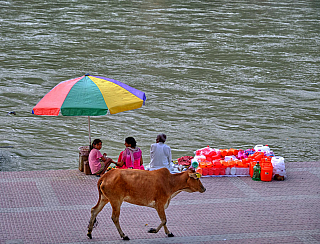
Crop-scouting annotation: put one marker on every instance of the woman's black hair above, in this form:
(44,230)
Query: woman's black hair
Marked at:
(162,137)
(132,141)
(95,142)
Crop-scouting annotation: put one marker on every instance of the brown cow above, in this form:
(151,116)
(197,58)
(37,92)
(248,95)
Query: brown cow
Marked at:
(153,189)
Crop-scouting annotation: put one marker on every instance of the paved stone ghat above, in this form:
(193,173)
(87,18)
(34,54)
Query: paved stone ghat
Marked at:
(54,207)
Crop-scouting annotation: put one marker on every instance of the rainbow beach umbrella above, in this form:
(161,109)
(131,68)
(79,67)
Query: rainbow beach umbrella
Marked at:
(89,96)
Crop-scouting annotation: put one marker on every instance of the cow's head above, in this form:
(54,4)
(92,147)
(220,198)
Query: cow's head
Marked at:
(194,183)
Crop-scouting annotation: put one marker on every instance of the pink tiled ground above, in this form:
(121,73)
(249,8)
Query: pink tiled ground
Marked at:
(54,207)
(27,192)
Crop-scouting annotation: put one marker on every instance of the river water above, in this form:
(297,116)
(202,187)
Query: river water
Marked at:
(219,73)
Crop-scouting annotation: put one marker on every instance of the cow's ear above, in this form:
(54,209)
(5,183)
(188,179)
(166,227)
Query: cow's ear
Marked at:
(194,175)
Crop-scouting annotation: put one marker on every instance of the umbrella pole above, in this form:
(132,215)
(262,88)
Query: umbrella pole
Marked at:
(89,131)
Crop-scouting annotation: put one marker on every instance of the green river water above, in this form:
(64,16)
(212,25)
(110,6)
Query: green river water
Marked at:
(219,73)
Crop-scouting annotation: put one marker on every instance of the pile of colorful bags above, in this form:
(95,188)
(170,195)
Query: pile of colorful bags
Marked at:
(236,162)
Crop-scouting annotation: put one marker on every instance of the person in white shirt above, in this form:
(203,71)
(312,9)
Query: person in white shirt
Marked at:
(160,154)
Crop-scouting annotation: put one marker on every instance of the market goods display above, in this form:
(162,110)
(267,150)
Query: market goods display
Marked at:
(185,160)
(259,163)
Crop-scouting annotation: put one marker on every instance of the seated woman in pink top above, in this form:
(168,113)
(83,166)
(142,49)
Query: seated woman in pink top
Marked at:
(98,163)
(131,157)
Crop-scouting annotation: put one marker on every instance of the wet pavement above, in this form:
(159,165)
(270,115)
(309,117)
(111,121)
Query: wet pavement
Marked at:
(54,207)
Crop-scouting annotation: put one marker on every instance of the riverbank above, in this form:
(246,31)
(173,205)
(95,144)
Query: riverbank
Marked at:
(53,206)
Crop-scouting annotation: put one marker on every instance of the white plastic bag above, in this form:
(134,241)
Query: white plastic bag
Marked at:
(279,168)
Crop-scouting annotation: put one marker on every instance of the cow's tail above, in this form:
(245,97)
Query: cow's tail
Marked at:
(99,190)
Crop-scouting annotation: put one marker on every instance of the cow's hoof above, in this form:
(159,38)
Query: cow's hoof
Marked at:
(89,235)
(170,235)
(125,238)
(152,230)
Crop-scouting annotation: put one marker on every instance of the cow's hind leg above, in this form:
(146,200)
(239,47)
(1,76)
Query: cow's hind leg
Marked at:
(115,218)
(163,218)
(94,212)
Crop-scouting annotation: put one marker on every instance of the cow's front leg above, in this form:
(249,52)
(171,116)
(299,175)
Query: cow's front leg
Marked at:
(94,213)
(115,219)
(163,218)
(168,233)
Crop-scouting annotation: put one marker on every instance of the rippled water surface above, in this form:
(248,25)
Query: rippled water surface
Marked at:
(219,73)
